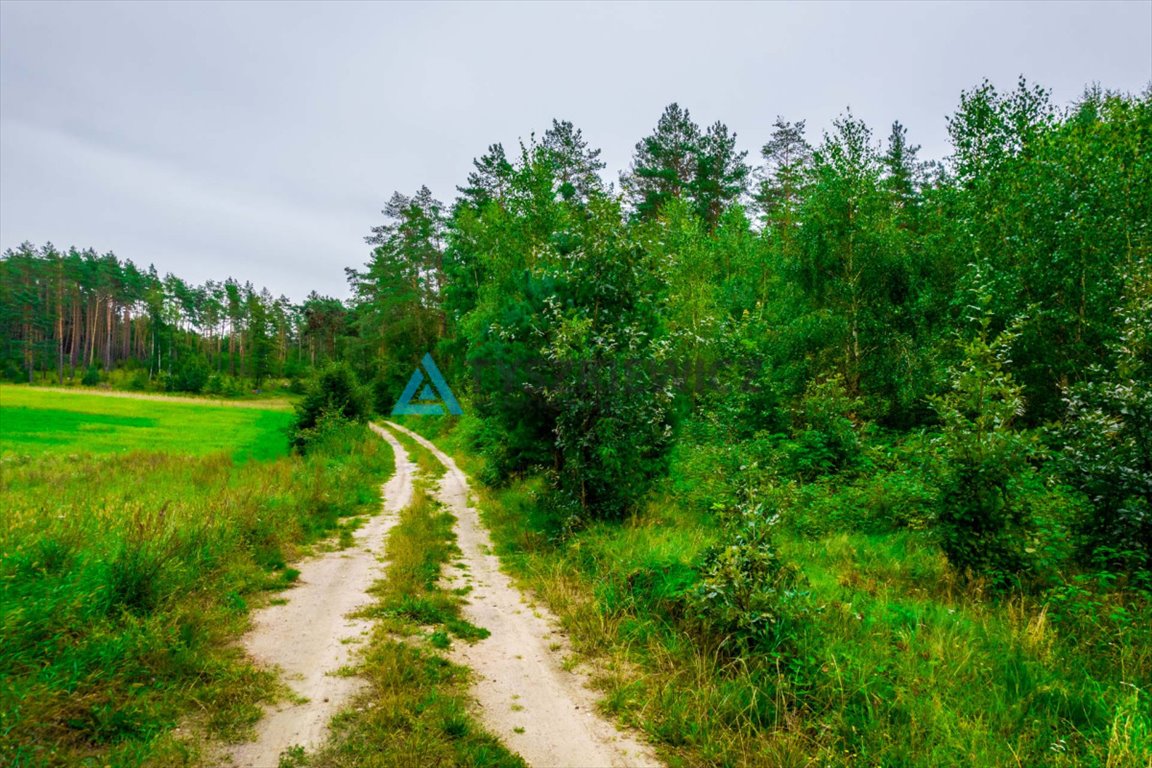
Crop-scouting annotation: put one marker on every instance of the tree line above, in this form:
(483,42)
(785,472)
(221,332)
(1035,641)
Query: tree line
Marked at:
(76,314)
(998,298)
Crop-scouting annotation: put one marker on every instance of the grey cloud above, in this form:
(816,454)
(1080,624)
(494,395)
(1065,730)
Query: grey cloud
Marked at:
(260,140)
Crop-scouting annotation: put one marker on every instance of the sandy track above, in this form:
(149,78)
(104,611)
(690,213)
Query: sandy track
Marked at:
(526,698)
(311,637)
(266,404)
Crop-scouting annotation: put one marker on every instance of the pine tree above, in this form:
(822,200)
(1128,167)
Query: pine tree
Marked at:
(259,341)
(489,180)
(784,177)
(720,176)
(576,167)
(664,164)
(398,312)
(902,171)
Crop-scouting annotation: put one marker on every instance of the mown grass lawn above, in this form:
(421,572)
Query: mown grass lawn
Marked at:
(34,421)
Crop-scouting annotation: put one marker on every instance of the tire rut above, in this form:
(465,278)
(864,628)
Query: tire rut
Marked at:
(311,636)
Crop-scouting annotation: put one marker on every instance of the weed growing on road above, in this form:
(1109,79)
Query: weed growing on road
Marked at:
(415,712)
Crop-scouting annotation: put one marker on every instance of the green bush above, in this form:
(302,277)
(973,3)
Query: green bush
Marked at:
(325,435)
(826,440)
(191,376)
(747,597)
(334,395)
(138,381)
(223,385)
(984,477)
(91,376)
(12,371)
(612,431)
(1108,441)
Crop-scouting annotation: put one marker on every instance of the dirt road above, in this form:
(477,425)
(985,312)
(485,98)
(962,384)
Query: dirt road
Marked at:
(311,637)
(546,714)
(524,696)
(264,404)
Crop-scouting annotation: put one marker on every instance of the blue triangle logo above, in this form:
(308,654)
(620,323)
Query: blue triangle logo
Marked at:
(435,388)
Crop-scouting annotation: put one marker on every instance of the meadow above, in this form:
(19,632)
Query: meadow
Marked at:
(879,653)
(38,420)
(137,536)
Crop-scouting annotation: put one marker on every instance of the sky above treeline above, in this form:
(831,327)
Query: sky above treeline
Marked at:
(260,140)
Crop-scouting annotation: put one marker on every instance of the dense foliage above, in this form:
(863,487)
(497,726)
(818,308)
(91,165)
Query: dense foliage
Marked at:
(333,399)
(831,300)
(801,305)
(842,343)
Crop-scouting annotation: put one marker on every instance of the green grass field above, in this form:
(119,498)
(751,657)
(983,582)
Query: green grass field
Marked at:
(136,535)
(57,421)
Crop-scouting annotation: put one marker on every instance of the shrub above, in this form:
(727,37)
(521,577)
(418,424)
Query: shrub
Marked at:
(223,385)
(1108,441)
(746,595)
(384,388)
(191,376)
(826,440)
(612,405)
(334,394)
(139,381)
(612,432)
(331,430)
(12,371)
(91,376)
(162,382)
(984,477)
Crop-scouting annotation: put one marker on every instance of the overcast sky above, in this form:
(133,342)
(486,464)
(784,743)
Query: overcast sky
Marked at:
(261,140)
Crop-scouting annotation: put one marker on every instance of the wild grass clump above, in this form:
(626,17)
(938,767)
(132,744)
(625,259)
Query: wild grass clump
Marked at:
(126,579)
(888,656)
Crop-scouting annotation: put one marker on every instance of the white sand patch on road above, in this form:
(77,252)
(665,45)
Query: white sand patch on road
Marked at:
(311,636)
(526,698)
